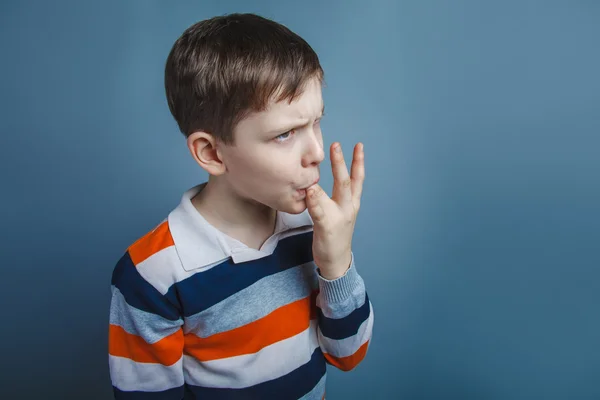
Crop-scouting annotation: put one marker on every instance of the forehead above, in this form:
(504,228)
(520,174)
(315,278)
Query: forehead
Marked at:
(279,115)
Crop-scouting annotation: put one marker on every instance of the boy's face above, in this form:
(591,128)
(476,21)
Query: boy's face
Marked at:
(277,152)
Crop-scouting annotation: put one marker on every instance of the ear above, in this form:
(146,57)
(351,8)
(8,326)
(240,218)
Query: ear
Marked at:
(204,149)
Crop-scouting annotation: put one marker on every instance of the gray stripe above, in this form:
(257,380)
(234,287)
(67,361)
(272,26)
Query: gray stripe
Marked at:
(150,327)
(255,301)
(317,392)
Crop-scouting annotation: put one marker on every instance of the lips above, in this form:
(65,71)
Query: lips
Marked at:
(314,183)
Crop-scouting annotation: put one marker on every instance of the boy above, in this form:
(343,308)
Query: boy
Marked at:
(248,288)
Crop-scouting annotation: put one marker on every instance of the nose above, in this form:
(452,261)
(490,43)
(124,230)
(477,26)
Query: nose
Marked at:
(314,153)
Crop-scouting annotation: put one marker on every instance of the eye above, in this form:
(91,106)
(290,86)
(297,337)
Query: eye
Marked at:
(284,136)
(318,120)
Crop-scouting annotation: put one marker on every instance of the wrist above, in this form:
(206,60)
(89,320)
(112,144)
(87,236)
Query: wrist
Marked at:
(336,270)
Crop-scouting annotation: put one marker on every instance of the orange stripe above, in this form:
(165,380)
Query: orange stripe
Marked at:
(281,324)
(151,243)
(348,363)
(166,351)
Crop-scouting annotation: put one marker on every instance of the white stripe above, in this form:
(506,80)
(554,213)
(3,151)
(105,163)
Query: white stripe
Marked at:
(128,375)
(163,269)
(271,362)
(348,346)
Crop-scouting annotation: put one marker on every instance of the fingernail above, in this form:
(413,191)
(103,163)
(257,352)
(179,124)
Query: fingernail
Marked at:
(338,148)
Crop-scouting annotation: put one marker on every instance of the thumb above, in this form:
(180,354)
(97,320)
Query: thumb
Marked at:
(314,197)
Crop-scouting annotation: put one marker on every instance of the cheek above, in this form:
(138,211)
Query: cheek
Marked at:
(260,171)
(239,163)
(270,170)
(276,166)
(279,172)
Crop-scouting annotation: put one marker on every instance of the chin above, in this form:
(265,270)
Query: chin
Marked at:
(293,207)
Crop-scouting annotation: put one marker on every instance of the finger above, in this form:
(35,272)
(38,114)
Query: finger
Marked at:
(315,196)
(342,190)
(357,173)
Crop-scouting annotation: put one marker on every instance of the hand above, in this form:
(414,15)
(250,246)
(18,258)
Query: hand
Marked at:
(334,218)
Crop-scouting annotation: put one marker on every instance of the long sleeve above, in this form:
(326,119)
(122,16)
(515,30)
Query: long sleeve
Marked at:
(145,339)
(345,319)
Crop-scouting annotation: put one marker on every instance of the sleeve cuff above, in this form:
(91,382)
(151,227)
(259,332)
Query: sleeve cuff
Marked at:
(342,288)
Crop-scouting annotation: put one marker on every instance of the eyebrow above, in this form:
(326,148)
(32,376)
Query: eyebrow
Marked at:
(286,129)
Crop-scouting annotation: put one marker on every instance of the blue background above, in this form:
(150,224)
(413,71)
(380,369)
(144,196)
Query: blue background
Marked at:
(479,232)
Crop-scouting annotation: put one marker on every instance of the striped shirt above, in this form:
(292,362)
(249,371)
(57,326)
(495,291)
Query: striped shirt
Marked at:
(196,314)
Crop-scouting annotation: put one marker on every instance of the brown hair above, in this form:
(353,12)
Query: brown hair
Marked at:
(223,68)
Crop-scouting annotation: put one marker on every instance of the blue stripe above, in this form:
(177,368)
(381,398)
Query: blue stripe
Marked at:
(171,394)
(139,293)
(291,386)
(343,328)
(205,289)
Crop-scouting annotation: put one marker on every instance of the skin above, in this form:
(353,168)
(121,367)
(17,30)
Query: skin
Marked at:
(273,166)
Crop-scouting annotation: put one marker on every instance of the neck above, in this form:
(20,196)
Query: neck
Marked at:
(245,220)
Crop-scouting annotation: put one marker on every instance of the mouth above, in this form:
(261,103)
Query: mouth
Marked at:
(314,183)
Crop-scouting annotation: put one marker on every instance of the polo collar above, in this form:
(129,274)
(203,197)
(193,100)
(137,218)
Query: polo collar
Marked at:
(200,245)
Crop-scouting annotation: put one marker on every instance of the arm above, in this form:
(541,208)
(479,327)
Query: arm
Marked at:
(145,342)
(345,317)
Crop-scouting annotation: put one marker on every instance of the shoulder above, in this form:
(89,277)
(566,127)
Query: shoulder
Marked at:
(152,259)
